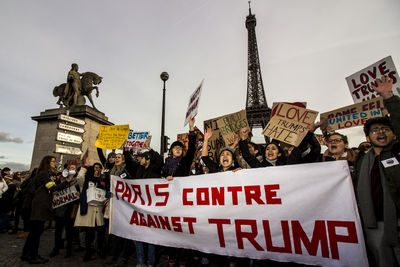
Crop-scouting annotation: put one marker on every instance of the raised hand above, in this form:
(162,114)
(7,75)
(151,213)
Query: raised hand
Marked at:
(147,143)
(191,124)
(384,87)
(208,133)
(244,133)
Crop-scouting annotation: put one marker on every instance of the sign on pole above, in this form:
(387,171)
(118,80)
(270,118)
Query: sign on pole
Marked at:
(193,104)
(68,150)
(70,128)
(71,119)
(360,82)
(112,137)
(354,115)
(289,123)
(69,138)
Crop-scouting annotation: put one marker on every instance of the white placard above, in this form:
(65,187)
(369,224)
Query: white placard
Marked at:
(304,213)
(68,150)
(193,104)
(70,128)
(71,119)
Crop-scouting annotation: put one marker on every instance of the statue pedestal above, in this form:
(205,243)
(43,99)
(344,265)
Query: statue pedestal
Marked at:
(47,128)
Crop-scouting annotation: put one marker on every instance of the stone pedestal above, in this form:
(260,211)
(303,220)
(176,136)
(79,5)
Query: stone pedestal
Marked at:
(47,128)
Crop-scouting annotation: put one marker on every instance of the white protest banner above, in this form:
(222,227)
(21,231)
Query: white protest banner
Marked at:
(65,196)
(193,104)
(297,213)
(354,115)
(360,82)
(136,140)
(289,123)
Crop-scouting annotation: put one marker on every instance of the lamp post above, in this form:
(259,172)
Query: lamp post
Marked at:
(164,77)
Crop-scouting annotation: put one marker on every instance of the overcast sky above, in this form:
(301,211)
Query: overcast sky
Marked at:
(306,47)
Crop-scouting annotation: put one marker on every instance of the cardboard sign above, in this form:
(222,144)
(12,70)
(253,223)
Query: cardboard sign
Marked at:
(64,196)
(230,125)
(289,124)
(354,115)
(216,141)
(360,82)
(184,138)
(136,140)
(193,104)
(112,137)
(321,139)
(275,104)
(252,213)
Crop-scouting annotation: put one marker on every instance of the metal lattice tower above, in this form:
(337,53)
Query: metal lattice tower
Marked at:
(258,112)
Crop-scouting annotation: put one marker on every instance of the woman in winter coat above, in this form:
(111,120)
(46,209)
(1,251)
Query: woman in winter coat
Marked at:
(226,157)
(44,187)
(178,164)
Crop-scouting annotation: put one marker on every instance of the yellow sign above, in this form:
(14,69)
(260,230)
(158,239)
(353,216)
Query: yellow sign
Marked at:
(112,137)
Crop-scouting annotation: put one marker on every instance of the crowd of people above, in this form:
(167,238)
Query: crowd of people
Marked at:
(374,167)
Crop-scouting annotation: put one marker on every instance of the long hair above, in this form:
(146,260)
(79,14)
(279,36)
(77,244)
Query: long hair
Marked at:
(45,164)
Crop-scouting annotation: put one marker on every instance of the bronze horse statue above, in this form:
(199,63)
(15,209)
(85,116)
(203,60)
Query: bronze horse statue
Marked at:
(89,81)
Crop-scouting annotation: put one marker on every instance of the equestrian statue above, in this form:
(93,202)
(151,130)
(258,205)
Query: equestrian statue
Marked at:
(77,86)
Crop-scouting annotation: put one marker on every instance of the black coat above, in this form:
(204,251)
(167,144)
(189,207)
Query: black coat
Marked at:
(41,204)
(153,171)
(185,164)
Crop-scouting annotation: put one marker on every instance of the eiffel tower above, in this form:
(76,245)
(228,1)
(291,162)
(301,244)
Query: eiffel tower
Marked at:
(257,110)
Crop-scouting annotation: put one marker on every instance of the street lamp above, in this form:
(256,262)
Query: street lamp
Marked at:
(164,77)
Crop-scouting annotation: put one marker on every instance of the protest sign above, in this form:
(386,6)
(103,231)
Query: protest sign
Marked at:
(354,115)
(112,137)
(136,140)
(230,125)
(289,123)
(299,104)
(252,213)
(321,139)
(193,104)
(360,82)
(64,196)
(216,141)
(184,138)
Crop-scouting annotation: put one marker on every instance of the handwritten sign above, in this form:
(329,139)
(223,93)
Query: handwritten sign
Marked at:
(289,124)
(229,125)
(354,115)
(193,104)
(65,196)
(216,141)
(136,139)
(321,139)
(360,82)
(112,137)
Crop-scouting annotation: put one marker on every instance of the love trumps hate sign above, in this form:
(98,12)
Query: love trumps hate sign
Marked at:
(289,123)
(252,213)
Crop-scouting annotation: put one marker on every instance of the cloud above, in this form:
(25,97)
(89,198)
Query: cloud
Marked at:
(15,166)
(4,137)
(2,157)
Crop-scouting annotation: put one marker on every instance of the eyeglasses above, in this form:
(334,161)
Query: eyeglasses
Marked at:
(382,129)
(178,148)
(53,160)
(335,141)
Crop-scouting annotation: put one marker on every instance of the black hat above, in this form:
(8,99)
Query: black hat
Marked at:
(145,154)
(176,143)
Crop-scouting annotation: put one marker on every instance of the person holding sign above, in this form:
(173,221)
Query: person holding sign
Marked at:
(226,157)
(378,181)
(273,155)
(63,217)
(44,187)
(91,216)
(178,164)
